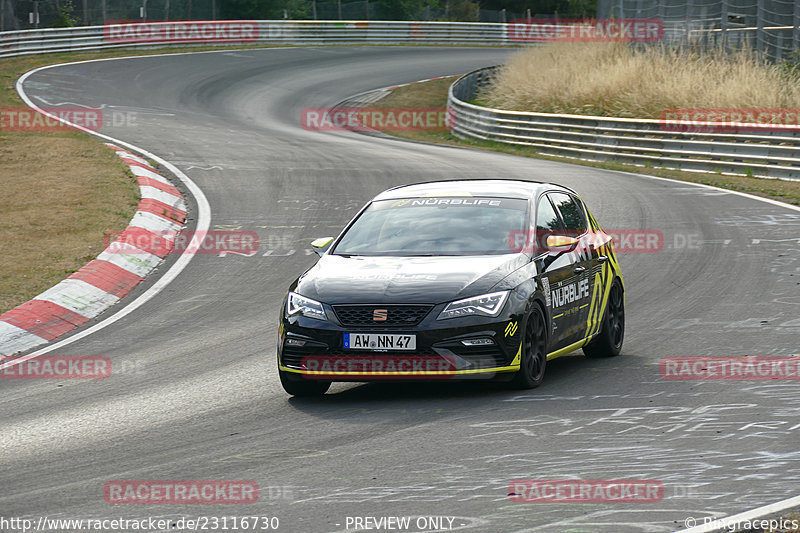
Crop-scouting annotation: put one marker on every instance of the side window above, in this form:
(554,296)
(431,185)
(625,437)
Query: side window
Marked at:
(547,221)
(571,212)
(546,217)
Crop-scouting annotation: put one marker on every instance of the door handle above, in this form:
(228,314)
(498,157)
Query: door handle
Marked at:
(579,269)
(602,259)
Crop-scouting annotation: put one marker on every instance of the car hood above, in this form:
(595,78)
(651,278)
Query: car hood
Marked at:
(338,279)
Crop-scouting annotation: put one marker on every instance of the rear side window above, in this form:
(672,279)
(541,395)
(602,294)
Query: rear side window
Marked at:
(571,212)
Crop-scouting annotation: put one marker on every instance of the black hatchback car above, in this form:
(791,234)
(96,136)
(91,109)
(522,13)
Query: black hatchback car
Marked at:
(454,280)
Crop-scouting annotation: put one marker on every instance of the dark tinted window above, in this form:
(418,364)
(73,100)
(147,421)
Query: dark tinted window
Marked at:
(435,226)
(547,223)
(546,218)
(571,212)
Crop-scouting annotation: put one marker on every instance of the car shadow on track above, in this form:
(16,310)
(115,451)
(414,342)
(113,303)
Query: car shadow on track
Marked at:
(565,376)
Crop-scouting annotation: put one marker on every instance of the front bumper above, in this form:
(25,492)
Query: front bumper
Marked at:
(314,349)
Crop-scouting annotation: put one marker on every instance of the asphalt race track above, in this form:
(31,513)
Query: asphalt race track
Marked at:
(197,396)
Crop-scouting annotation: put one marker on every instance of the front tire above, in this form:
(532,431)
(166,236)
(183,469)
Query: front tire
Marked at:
(609,342)
(298,386)
(533,357)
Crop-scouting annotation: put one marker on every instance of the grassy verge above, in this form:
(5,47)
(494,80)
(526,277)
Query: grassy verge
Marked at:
(615,79)
(51,221)
(434,94)
(61,191)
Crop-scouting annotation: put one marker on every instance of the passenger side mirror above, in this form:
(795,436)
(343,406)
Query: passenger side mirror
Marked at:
(321,245)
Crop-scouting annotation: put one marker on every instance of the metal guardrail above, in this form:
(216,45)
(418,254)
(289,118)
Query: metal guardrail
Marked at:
(767,154)
(300,32)
(772,154)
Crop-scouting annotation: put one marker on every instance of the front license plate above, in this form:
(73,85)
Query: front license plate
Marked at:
(379,341)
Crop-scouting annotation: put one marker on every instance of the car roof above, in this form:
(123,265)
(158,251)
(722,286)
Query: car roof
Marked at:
(492,188)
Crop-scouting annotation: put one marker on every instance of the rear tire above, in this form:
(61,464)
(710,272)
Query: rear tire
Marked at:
(303,387)
(533,357)
(609,342)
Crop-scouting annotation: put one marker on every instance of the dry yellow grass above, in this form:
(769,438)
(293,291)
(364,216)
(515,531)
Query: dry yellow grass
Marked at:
(61,193)
(432,94)
(613,79)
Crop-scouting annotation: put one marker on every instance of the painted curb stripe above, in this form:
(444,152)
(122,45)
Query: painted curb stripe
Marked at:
(151,222)
(173,214)
(44,319)
(108,277)
(16,339)
(102,282)
(144,240)
(150,182)
(161,196)
(144,170)
(79,297)
(134,163)
(124,154)
(130,258)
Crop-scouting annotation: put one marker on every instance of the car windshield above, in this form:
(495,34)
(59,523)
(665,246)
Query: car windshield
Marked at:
(435,226)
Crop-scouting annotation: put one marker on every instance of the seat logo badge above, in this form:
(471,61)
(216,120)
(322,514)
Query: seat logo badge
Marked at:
(380,315)
(511,328)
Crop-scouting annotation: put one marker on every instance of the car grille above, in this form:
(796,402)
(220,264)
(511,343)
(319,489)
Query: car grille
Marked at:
(396,315)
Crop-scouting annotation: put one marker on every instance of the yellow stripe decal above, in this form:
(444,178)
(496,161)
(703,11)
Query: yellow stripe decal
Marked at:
(509,368)
(563,351)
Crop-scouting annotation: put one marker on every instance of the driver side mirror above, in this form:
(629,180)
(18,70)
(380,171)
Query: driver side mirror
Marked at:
(561,243)
(321,245)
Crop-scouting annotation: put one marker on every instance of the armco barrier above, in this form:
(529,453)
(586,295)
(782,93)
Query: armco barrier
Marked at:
(297,32)
(770,154)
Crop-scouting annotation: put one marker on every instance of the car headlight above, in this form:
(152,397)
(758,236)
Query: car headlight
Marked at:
(300,305)
(484,305)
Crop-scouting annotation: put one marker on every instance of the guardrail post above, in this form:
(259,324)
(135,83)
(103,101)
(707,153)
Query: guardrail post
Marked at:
(723,24)
(796,27)
(2,15)
(760,37)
